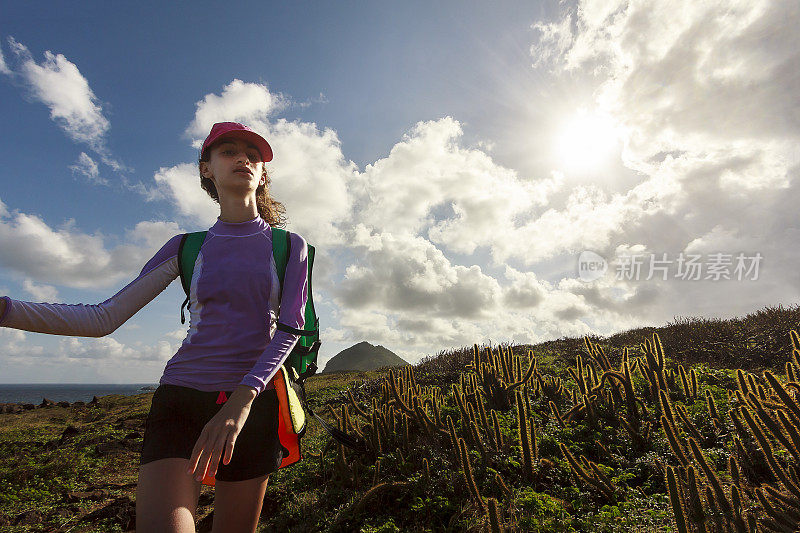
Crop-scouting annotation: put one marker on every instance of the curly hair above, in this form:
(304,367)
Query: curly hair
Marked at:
(272,211)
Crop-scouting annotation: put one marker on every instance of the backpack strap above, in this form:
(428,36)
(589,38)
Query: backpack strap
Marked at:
(281,248)
(187,256)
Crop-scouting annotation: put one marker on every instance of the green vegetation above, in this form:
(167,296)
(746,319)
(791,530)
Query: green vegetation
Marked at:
(617,434)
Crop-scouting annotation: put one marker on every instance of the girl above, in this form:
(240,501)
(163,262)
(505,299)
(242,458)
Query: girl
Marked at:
(215,411)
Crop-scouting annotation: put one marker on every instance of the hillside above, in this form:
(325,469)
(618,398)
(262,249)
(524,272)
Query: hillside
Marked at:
(363,357)
(645,430)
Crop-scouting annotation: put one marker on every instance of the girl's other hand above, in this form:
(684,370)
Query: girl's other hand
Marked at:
(219,434)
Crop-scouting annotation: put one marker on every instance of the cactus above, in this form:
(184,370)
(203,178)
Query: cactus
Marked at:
(494,516)
(624,378)
(497,376)
(712,406)
(688,424)
(593,476)
(498,435)
(676,498)
(525,438)
(687,391)
(557,414)
(674,441)
(469,477)
(501,484)
(713,479)
(695,512)
(766,450)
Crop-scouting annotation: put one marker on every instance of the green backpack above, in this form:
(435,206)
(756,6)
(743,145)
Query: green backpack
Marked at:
(303,358)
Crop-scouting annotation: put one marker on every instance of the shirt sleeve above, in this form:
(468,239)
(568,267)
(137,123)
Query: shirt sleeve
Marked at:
(292,313)
(101,319)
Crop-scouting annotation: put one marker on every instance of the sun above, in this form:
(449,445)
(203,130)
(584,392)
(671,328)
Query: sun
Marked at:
(586,142)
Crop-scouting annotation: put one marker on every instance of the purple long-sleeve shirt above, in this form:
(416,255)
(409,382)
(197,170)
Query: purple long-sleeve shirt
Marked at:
(233,308)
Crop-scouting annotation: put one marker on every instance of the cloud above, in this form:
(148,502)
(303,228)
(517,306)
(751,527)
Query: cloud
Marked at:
(180,184)
(311,177)
(409,274)
(3,67)
(524,290)
(65,359)
(707,75)
(42,293)
(460,196)
(16,345)
(113,352)
(85,165)
(69,257)
(239,102)
(57,83)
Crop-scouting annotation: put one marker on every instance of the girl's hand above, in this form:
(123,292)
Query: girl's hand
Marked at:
(220,433)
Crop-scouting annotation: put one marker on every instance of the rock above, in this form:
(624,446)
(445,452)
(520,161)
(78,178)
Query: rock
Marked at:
(78,404)
(28,406)
(47,403)
(63,404)
(28,518)
(133,435)
(71,431)
(95,400)
(10,408)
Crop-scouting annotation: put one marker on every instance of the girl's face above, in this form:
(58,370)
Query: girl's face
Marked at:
(234,166)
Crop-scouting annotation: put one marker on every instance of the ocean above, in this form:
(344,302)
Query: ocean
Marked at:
(70,392)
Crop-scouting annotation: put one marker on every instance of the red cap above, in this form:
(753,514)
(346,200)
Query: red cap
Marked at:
(240,131)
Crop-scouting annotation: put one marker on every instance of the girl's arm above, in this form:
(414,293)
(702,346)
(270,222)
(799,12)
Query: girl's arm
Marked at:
(292,313)
(101,319)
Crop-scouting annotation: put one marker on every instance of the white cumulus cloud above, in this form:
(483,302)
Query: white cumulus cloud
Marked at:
(57,83)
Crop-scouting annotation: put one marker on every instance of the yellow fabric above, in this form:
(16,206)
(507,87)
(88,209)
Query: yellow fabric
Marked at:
(297,415)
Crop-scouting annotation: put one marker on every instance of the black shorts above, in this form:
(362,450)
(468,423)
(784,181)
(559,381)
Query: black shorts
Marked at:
(178,415)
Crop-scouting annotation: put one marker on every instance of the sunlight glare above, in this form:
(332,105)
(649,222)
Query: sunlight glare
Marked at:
(586,142)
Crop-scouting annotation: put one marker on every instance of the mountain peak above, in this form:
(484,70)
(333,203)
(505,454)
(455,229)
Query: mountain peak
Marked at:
(362,357)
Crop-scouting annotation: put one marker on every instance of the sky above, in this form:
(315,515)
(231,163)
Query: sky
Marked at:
(468,172)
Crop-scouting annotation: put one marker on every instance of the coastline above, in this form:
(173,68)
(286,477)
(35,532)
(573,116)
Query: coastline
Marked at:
(37,393)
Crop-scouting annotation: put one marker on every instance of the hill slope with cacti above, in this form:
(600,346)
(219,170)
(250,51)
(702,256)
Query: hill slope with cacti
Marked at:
(645,430)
